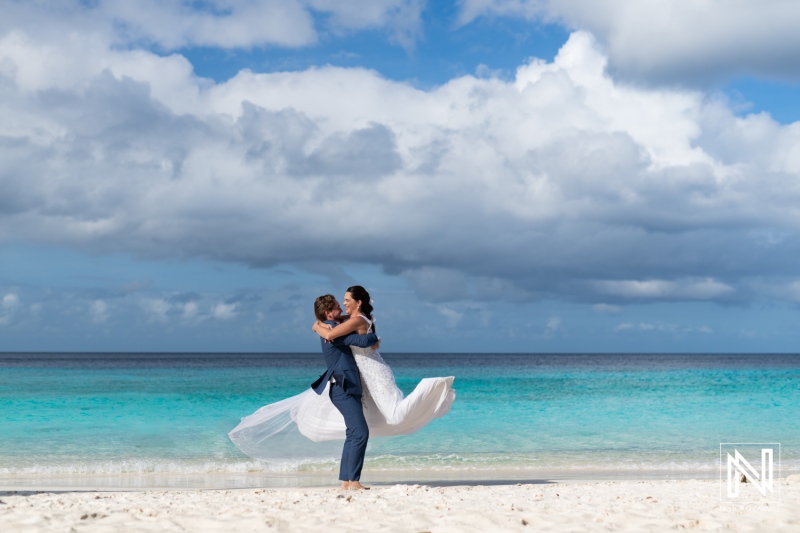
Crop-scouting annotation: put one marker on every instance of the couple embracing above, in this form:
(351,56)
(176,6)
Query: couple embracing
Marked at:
(355,398)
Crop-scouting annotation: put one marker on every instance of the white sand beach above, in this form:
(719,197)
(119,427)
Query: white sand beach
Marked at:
(573,506)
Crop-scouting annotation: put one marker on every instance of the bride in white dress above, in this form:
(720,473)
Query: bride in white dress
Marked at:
(286,429)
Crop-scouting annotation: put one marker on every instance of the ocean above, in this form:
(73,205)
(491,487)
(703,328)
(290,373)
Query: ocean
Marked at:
(155,419)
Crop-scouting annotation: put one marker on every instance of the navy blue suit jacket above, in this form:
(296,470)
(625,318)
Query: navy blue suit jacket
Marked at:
(341,363)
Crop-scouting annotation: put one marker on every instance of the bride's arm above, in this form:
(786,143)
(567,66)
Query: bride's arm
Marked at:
(349,326)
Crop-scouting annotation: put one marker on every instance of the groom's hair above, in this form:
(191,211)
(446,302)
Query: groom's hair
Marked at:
(322,305)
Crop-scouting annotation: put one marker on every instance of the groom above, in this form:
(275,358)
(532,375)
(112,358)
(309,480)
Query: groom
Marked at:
(345,391)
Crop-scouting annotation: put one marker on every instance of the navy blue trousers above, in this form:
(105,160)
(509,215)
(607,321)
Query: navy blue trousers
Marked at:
(355,445)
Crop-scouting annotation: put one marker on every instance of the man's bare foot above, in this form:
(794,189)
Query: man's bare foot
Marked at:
(355,485)
(345,485)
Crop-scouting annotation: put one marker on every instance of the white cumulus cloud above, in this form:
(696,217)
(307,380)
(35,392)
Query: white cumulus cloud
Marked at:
(8,306)
(190,310)
(173,24)
(661,327)
(156,309)
(563,182)
(452,316)
(707,289)
(99,311)
(673,40)
(553,326)
(223,311)
(10,301)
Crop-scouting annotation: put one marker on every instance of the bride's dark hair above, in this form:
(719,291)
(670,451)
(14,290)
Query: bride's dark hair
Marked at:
(360,294)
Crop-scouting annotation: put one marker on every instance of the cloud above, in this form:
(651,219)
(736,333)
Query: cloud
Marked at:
(223,311)
(8,307)
(672,41)
(561,183)
(53,318)
(402,18)
(190,310)
(553,327)
(662,328)
(10,301)
(366,153)
(156,309)
(99,311)
(184,297)
(707,289)
(175,24)
(435,284)
(438,284)
(452,316)
(606,309)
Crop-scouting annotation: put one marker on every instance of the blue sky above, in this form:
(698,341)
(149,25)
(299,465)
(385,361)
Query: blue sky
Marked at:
(502,175)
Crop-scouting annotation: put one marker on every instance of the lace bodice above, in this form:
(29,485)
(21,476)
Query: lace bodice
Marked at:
(369,351)
(377,379)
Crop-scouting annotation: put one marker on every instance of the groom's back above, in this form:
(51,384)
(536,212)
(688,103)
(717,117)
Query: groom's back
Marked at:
(337,355)
(341,365)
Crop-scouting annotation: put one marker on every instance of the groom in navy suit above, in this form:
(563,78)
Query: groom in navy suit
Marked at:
(345,391)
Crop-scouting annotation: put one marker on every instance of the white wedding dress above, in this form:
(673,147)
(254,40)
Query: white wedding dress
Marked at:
(297,428)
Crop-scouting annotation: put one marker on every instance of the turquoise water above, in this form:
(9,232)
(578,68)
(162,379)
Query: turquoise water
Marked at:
(169,413)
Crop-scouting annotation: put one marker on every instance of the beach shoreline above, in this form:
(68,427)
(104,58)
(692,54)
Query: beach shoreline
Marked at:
(553,506)
(326,479)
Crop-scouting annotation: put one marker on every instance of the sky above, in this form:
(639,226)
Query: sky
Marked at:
(501,175)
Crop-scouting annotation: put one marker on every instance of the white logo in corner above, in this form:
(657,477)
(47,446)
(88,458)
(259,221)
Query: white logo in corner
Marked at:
(741,472)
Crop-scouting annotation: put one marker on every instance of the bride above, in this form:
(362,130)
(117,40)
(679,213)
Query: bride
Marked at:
(289,428)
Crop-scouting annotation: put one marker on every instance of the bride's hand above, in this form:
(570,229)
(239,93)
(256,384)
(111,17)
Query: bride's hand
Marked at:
(320,324)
